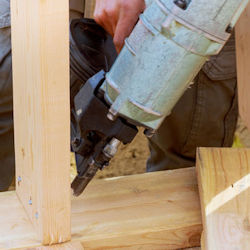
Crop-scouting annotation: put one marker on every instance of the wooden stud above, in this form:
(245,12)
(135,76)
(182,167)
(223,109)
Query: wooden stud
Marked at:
(40,49)
(224,186)
(243,62)
(158,210)
(89,8)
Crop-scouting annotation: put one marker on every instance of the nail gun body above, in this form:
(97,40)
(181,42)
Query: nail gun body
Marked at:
(97,137)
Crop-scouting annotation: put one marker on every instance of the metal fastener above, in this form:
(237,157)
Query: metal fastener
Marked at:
(149,132)
(19,179)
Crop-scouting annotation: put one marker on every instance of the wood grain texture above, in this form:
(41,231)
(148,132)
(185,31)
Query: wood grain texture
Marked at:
(89,8)
(243,62)
(193,248)
(149,211)
(40,50)
(224,186)
(64,246)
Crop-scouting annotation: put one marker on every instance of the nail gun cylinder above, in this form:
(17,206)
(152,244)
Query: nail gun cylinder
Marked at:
(163,54)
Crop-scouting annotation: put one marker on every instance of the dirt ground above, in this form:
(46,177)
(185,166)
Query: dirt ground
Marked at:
(130,159)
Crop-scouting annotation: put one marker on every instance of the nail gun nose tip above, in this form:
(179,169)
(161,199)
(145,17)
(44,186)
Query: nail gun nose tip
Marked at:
(74,193)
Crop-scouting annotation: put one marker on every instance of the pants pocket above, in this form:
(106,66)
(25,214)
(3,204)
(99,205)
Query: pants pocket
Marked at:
(222,66)
(215,114)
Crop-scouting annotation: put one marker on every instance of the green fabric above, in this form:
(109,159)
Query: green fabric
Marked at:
(7,159)
(205,116)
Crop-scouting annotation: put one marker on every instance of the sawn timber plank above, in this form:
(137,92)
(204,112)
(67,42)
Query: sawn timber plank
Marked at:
(40,56)
(158,210)
(224,186)
(243,62)
(89,8)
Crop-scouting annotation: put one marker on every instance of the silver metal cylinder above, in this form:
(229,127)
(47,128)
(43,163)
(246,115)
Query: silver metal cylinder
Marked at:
(163,54)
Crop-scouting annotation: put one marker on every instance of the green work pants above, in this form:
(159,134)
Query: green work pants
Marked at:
(7,159)
(205,116)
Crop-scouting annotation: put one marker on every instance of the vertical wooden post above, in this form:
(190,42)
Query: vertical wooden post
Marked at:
(224,186)
(40,43)
(89,8)
(243,62)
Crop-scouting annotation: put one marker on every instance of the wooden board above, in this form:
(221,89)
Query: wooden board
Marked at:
(40,50)
(243,64)
(149,211)
(63,246)
(89,8)
(224,186)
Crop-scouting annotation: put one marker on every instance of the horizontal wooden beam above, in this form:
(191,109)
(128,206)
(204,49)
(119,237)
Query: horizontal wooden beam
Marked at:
(158,210)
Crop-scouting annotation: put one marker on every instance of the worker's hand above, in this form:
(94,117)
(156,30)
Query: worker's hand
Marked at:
(118,17)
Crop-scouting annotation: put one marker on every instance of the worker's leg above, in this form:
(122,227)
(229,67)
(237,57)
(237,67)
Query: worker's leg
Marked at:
(205,116)
(7,159)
